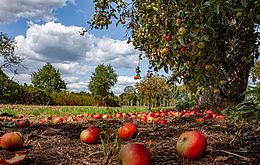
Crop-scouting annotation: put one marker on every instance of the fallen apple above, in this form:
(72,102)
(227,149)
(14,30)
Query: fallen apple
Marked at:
(12,140)
(90,135)
(127,131)
(134,154)
(191,145)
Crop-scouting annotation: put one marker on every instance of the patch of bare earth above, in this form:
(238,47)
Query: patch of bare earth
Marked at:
(228,143)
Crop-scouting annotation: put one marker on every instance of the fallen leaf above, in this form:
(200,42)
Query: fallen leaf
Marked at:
(16,159)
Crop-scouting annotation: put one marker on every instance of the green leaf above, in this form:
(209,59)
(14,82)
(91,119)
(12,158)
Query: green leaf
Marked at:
(204,38)
(244,3)
(181,40)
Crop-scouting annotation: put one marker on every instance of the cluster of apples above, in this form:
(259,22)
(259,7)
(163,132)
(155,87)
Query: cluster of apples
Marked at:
(18,121)
(191,144)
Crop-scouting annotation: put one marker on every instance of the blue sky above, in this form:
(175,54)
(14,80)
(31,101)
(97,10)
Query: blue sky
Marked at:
(48,31)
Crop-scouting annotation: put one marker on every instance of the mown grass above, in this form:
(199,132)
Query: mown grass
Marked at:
(63,110)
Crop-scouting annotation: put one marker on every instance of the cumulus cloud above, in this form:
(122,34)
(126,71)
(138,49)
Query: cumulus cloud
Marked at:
(11,11)
(73,55)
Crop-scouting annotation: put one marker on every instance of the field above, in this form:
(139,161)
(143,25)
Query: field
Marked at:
(228,142)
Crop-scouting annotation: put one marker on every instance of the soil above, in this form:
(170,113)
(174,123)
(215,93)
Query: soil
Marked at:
(228,142)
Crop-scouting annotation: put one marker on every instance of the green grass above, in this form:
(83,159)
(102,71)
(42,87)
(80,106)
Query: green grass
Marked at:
(63,110)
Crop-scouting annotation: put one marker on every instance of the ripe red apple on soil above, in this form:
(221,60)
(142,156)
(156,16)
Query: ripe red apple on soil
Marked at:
(127,131)
(23,123)
(208,116)
(98,116)
(191,145)
(12,140)
(57,120)
(134,154)
(90,135)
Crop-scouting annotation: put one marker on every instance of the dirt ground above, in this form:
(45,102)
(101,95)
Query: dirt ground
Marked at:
(228,143)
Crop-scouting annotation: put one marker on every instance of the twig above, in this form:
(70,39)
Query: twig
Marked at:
(245,158)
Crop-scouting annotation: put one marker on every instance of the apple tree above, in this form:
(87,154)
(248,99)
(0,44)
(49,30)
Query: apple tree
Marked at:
(101,82)
(7,51)
(205,43)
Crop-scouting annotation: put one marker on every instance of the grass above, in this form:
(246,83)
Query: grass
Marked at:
(63,110)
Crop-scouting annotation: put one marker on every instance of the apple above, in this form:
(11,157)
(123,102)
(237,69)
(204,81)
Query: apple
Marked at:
(134,154)
(168,38)
(143,118)
(179,20)
(223,82)
(209,67)
(19,116)
(98,116)
(12,140)
(57,120)
(165,50)
(127,131)
(23,123)
(182,31)
(220,117)
(191,145)
(90,135)
(119,115)
(150,119)
(184,49)
(208,116)
(217,91)
(163,121)
(201,45)
(200,120)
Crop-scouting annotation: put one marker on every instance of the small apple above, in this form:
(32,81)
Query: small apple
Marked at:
(57,120)
(217,91)
(184,49)
(163,121)
(200,120)
(143,118)
(208,67)
(150,119)
(119,115)
(168,38)
(179,20)
(90,135)
(165,50)
(182,31)
(223,82)
(134,154)
(208,116)
(201,45)
(98,116)
(191,145)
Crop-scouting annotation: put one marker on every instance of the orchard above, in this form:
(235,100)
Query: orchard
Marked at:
(205,43)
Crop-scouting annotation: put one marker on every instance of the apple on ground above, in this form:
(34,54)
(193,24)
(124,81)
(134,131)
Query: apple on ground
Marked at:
(90,135)
(134,154)
(163,121)
(127,131)
(12,140)
(98,116)
(191,145)
(57,120)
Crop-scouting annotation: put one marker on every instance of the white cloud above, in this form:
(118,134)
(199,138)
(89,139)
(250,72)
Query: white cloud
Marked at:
(12,10)
(74,56)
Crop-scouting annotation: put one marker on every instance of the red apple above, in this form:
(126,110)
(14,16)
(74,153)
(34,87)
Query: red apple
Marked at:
(57,120)
(127,131)
(119,115)
(163,121)
(208,116)
(134,154)
(143,118)
(90,135)
(200,120)
(168,38)
(191,145)
(23,123)
(98,116)
(184,49)
(12,140)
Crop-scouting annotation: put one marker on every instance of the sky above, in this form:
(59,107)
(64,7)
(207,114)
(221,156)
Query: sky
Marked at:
(48,31)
